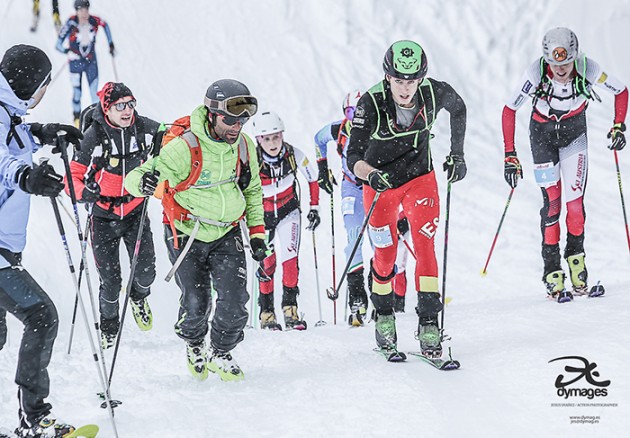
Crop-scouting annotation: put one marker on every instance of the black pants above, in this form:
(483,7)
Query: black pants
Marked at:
(106,235)
(219,264)
(21,296)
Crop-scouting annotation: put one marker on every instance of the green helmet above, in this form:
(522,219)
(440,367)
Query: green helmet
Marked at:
(405,60)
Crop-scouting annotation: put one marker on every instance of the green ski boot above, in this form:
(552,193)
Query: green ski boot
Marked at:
(197,359)
(579,274)
(223,364)
(142,314)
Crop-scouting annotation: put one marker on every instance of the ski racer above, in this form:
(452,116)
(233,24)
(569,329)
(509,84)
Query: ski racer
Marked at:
(561,84)
(389,150)
(279,162)
(80,31)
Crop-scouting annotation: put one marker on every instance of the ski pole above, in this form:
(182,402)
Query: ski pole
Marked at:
(62,145)
(76,298)
(57,73)
(484,271)
(623,203)
(333,294)
(134,262)
(319,300)
(101,373)
(114,67)
(447,214)
(334,265)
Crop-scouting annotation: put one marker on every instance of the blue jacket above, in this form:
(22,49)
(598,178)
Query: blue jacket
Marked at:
(14,203)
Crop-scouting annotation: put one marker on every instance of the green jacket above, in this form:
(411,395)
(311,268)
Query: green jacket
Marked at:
(223,203)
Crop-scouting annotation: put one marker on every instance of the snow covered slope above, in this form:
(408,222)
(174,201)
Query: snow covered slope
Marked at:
(300,58)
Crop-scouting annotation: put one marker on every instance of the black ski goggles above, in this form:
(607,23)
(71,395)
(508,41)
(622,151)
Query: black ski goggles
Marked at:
(235,107)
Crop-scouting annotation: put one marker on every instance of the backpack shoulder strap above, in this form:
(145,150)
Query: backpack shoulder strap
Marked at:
(291,157)
(15,120)
(196,161)
(243,156)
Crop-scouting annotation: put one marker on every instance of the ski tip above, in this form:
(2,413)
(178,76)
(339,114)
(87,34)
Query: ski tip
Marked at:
(87,431)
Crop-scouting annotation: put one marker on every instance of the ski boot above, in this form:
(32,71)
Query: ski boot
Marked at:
(357,314)
(385,331)
(142,314)
(197,357)
(268,321)
(45,427)
(399,303)
(554,281)
(223,364)
(291,320)
(108,340)
(430,338)
(579,274)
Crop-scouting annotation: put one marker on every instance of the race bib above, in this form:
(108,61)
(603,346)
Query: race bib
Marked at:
(347,206)
(381,236)
(546,174)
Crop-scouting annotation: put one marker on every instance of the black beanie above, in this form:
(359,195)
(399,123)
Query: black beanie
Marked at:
(25,68)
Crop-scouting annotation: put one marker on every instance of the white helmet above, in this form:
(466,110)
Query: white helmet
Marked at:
(351,99)
(267,123)
(560,46)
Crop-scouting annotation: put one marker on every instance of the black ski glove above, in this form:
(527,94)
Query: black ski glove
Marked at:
(149,182)
(325,178)
(112,49)
(91,192)
(40,180)
(403,226)
(455,168)
(512,169)
(617,136)
(378,180)
(313,219)
(259,248)
(47,134)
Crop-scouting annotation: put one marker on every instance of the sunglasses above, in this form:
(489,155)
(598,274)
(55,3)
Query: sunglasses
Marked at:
(236,106)
(120,106)
(231,121)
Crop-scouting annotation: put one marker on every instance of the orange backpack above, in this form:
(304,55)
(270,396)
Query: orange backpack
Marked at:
(172,210)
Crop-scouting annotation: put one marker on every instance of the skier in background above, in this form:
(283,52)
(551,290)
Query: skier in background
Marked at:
(80,31)
(561,86)
(352,210)
(24,78)
(351,201)
(56,17)
(279,163)
(117,141)
(389,149)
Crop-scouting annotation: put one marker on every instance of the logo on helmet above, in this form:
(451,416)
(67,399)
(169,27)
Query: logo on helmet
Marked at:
(559,54)
(407,52)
